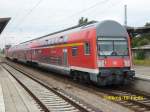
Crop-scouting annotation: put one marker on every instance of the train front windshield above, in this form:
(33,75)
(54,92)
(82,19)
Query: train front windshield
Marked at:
(112,46)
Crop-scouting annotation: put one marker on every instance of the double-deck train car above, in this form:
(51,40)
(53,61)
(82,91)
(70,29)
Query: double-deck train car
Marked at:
(98,52)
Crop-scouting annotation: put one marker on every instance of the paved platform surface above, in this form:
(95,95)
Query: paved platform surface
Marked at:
(13,98)
(142,72)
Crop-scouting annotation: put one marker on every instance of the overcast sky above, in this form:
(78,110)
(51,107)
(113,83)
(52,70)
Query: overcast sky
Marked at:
(33,18)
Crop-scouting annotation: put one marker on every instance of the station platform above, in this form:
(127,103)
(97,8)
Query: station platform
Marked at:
(13,98)
(142,72)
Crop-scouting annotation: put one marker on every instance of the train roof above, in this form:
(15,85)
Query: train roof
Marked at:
(67,29)
(110,28)
(104,28)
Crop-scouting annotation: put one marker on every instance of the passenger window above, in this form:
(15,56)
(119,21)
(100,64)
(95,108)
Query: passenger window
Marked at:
(74,51)
(87,48)
(34,52)
(39,51)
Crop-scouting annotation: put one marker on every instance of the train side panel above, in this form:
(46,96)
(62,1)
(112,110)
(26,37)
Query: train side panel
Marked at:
(84,53)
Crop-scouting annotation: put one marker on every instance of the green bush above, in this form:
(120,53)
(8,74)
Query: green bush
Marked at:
(142,42)
(140,55)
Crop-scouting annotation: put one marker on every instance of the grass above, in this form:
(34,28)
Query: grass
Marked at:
(145,62)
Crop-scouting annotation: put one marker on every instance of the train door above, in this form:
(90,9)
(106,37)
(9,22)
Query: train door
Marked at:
(65,57)
(29,55)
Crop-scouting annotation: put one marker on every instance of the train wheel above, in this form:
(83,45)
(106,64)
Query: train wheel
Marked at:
(86,78)
(75,75)
(81,77)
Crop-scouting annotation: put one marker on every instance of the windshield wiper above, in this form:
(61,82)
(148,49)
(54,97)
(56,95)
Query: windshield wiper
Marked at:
(114,53)
(103,54)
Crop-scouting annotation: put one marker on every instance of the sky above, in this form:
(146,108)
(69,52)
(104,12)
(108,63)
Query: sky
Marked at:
(34,18)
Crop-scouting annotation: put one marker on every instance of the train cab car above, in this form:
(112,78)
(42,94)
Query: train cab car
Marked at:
(98,52)
(114,53)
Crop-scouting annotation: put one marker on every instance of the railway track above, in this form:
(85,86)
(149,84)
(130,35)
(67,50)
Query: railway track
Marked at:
(123,96)
(49,99)
(138,102)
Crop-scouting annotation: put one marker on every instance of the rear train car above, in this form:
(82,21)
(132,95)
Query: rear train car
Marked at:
(98,52)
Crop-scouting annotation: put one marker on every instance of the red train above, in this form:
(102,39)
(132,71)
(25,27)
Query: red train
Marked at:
(98,52)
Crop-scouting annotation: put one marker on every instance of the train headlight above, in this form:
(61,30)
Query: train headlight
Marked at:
(101,63)
(126,63)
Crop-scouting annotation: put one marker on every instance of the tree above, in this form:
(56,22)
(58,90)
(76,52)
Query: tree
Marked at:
(143,39)
(82,21)
(147,24)
(140,55)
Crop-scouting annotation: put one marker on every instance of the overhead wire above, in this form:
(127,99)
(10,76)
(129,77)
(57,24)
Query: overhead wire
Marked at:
(86,9)
(22,20)
(83,11)
(73,15)
(30,11)
(77,13)
(111,6)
